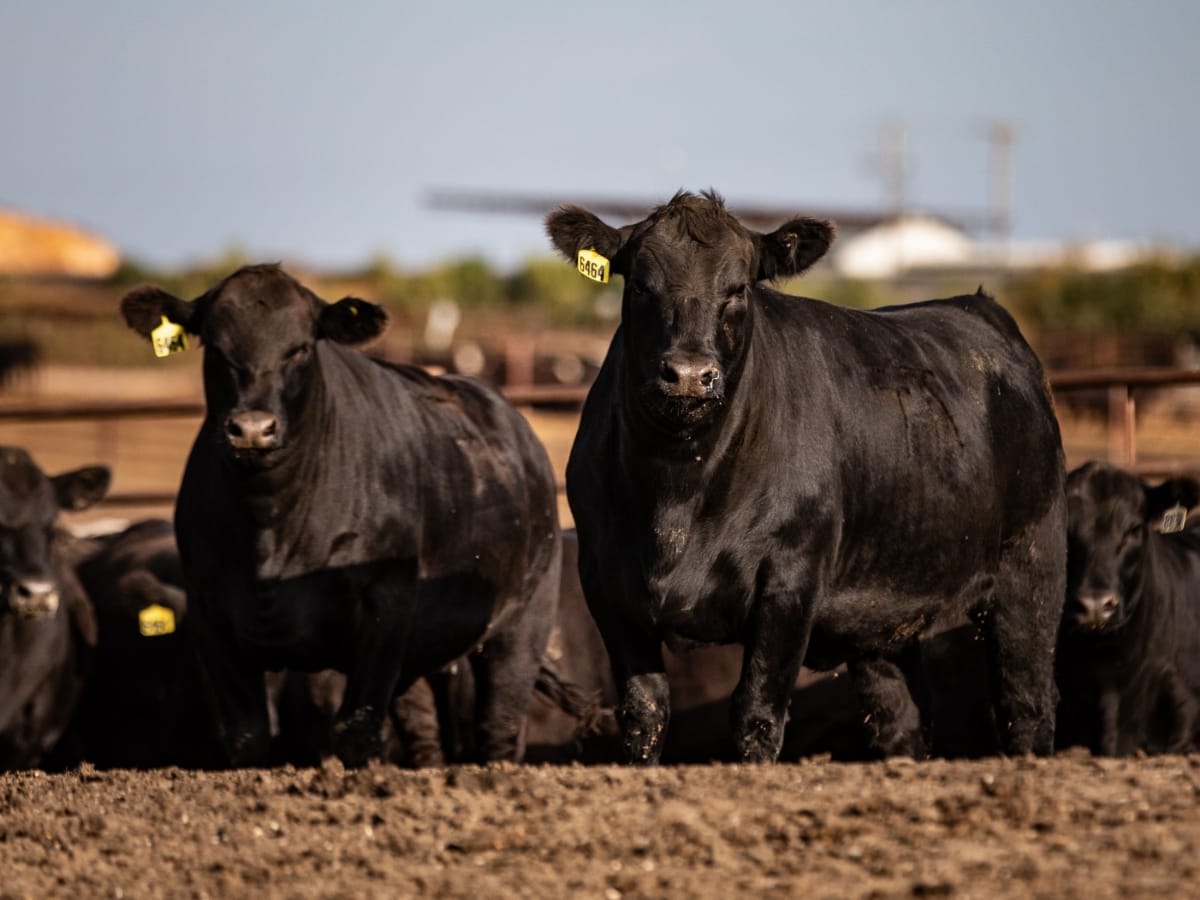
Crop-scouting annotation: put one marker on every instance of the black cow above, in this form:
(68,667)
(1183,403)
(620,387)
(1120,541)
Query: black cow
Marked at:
(816,483)
(1128,662)
(47,630)
(339,512)
(144,703)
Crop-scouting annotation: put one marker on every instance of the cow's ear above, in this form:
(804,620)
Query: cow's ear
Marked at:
(80,488)
(145,306)
(351,321)
(572,228)
(793,247)
(1173,492)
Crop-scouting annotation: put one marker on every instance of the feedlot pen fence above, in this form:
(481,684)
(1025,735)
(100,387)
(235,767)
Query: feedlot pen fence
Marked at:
(101,441)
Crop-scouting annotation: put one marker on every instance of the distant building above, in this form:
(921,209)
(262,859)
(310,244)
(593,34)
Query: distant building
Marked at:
(922,243)
(898,245)
(31,246)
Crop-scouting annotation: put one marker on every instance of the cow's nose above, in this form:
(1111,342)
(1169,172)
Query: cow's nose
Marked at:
(688,377)
(1094,610)
(34,597)
(252,430)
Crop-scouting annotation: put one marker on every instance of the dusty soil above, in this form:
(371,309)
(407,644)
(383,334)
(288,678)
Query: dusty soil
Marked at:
(1070,826)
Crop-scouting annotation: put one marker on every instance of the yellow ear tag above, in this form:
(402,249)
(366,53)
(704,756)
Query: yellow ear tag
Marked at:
(594,266)
(156,620)
(168,338)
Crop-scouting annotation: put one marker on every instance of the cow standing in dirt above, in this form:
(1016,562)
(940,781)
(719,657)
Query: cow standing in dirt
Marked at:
(816,483)
(47,629)
(1128,663)
(339,512)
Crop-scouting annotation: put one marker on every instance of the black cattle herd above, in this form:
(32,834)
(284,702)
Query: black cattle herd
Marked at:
(800,528)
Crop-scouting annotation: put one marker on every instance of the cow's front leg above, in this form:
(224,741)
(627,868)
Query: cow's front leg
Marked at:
(775,643)
(371,682)
(1110,730)
(237,694)
(644,712)
(643,694)
(635,656)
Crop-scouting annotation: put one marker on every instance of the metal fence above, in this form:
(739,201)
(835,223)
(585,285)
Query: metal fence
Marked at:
(1120,385)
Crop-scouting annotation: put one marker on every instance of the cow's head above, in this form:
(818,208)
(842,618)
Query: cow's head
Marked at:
(260,328)
(1110,514)
(689,270)
(29,505)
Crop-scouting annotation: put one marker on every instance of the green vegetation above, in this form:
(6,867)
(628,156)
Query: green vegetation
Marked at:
(1157,296)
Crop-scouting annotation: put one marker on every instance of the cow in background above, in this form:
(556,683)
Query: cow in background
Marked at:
(1128,662)
(340,512)
(818,484)
(144,703)
(47,628)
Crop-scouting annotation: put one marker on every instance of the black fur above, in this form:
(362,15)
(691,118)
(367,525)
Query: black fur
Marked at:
(816,483)
(47,629)
(1128,662)
(338,512)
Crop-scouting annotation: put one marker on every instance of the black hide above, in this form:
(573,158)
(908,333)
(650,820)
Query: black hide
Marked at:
(144,704)
(816,483)
(1128,663)
(47,628)
(338,512)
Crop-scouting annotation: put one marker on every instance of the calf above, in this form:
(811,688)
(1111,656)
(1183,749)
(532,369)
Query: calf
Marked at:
(47,629)
(818,484)
(339,512)
(1128,662)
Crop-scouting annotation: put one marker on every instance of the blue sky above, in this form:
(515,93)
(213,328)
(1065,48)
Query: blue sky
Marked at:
(314,132)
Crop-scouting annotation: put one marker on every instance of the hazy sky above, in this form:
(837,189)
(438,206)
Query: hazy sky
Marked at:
(314,131)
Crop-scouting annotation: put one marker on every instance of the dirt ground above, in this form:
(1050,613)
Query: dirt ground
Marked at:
(1071,826)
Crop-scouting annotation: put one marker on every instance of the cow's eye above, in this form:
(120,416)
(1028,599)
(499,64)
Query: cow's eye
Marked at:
(298,353)
(640,288)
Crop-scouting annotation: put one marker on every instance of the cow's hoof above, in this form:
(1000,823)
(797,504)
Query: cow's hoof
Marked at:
(760,742)
(356,740)
(642,748)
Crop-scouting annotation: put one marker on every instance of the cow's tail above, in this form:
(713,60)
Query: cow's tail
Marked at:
(580,704)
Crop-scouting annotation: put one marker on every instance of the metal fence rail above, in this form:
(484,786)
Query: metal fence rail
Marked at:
(1120,385)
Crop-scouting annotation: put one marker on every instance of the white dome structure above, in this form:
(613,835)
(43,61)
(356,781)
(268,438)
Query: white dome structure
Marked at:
(907,242)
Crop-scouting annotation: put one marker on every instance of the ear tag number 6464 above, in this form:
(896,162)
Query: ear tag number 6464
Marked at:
(594,266)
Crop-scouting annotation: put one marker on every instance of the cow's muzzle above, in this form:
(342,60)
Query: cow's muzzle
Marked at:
(1093,611)
(32,598)
(691,378)
(253,430)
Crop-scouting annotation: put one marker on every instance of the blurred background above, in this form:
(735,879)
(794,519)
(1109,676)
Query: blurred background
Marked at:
(408,154)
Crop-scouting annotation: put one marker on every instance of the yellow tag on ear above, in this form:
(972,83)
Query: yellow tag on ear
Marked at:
(594,266)
(168,338)
(156,620)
